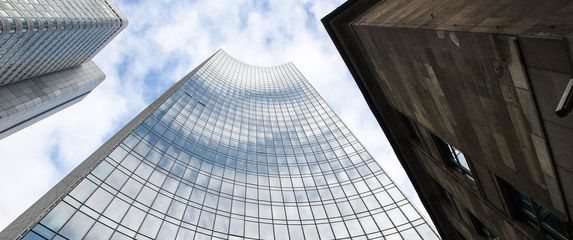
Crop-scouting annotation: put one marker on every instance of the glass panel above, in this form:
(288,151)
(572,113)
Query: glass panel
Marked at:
(133,218)
(552,223)
(150,226)
(281,232)
(460,160)
(191,215)
(176,209)
(310,232)
(116,209)
(116,179)
(83,190)
(131,188)
(168,231)
(185,234)
(354,228)
(32,236)
(410,234)
(325,231)
(99,232)
(427,233)
(222,223)
(103,170)
(339,230)
(237,226)
(295,232)
(368,224)
(77,227)
(161,203)
(43,231)
(525,205)
(251,229)
(99,200)
(206,220)
(58,216)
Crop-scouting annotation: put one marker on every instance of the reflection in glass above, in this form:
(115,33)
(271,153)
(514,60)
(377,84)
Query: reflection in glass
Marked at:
(237,151)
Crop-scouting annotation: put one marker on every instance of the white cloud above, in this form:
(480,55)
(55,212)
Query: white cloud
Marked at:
(165,40)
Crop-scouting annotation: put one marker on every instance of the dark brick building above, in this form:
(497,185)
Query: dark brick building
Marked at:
(466,92)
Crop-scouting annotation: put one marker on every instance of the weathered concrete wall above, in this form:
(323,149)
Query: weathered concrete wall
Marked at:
(548,63)
(470,90)
(513,17)
(485,76)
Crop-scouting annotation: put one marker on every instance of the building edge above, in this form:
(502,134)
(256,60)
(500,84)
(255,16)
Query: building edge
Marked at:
(123,22)
(360,69)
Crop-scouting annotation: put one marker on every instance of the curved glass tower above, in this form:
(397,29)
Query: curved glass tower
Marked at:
(231,151)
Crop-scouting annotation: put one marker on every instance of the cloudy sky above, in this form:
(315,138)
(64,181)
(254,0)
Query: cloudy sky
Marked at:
(165,40)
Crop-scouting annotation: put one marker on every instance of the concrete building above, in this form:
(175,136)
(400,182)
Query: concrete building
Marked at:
(232,151)
(466,92)
(46,49)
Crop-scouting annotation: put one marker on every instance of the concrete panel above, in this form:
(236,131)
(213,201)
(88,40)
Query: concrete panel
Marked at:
(547,54)
(525,17)
(560,141)
(465,95)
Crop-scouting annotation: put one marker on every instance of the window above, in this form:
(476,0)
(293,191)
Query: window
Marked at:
(454,157)
(460,161)
(481,229)
(446,198)
(526,209)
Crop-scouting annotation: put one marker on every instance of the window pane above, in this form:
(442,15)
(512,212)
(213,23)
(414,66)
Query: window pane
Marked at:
(116,209)
(551,222)
(251,229)
(206,220)
(185,234)
(83,190)
(340,230)
(33,236)
(99,232)
(133,218)
(168,231)
(150,226)
(58,216)
(99,200)
(77,227)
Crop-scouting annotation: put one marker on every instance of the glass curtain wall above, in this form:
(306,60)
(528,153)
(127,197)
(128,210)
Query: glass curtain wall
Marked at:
(237,152)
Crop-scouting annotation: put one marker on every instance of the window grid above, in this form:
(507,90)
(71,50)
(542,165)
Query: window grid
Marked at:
(73,30)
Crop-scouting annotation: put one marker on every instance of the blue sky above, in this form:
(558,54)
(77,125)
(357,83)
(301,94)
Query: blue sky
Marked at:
(165,40)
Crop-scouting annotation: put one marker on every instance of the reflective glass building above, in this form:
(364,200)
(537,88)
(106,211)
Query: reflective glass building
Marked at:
(232,151)
(46,49)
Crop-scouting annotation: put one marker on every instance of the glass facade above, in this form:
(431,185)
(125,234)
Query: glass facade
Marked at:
(25,102)
(45,52)
(40,37)
(235,151)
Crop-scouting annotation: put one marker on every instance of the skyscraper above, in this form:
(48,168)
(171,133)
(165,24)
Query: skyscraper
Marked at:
(231,151)
(45,55)
(466,92)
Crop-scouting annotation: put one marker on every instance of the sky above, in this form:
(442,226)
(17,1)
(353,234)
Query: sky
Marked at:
(165,40)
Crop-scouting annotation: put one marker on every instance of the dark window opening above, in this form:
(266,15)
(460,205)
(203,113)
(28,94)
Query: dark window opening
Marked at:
(481,229)
(446,197)
(526,209)
(454,157)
